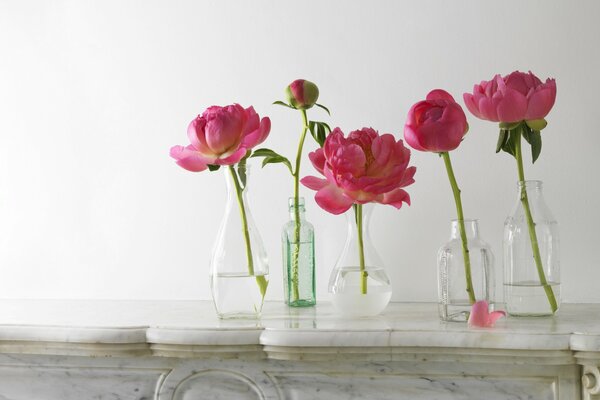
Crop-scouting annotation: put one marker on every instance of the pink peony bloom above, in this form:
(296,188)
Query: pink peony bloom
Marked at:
(513,98)
(302,94)
(362,168)
(481,316)
(436,124)
(221,136)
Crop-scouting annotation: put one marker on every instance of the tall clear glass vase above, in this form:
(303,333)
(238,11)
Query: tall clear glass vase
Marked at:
(239,267)
(298,242)
(359,285)
(531,255)
(454,303)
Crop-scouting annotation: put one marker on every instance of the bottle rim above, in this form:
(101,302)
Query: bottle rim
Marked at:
(530,183)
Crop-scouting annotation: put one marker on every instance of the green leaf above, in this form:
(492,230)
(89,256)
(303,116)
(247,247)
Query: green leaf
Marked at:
(502,138)
(536,145)
(534,138)
(271,157)
(264,152)
(212,167)
(319,131)
(323,107)
(278,160)
(242,168)
(510,144)
(282,103)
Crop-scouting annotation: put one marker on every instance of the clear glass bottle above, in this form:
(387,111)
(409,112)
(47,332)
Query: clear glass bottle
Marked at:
(239,267)
(359,285)
(453,299)
(298,260)
(531,255)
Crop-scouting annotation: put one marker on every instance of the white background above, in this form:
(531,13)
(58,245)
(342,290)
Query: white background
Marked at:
(94,93)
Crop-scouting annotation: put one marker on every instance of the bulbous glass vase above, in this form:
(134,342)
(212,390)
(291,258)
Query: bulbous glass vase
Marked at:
(531,256)
(454,302)
(239,267)
(359,285)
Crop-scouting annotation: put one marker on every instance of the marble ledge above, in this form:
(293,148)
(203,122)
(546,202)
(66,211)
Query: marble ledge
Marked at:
(190,328)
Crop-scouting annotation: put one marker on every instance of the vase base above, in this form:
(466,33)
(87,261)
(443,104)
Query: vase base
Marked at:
(361,305)
(239,316)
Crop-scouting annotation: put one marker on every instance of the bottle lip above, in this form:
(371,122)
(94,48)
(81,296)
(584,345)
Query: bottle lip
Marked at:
(531,183)
(467,220)
(291,202)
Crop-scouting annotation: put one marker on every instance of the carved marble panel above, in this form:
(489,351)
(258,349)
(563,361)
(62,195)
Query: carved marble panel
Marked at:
(321,386)
(69,383)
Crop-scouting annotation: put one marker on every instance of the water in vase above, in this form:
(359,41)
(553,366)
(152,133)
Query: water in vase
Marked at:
(528,298)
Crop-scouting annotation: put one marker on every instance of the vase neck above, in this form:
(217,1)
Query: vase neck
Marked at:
(471,229)
(533,188)
(292,208)
(236,175)
(367,211)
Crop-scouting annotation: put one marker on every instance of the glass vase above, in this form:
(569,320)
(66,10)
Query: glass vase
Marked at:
(359,285)
(454,302)
(239,266)
(531,255)
(298,242)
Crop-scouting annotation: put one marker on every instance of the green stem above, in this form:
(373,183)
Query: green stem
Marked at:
(358,214)
(531,225)
(296,174)
(261,280)
(461,226)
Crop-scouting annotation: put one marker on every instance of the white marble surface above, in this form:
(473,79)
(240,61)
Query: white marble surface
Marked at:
(576,327)
(179,350)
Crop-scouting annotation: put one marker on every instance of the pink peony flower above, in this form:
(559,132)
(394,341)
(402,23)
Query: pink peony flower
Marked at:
(221,136)
(513,98)
(302,94)
(436,124)
(481,316)
(362,168)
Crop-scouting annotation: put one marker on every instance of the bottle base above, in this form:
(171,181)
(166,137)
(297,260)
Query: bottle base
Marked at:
(454,312)
(302,303)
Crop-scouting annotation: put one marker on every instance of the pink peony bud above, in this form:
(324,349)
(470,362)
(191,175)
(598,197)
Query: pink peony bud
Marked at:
(302,94)
(436,124)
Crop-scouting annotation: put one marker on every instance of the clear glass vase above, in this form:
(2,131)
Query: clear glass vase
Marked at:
(359,285)
(298,242)
(239,266)
(531,255)
(454,302)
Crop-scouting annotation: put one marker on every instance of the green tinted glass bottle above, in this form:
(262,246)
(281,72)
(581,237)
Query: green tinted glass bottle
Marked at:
(298,242)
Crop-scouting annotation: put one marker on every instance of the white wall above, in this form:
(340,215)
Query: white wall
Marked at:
(93,94)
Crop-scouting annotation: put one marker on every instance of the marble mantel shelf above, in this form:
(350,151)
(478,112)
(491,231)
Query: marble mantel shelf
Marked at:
(193,323)
(176,350)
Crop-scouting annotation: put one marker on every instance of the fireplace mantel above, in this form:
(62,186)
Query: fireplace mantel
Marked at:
(176,350)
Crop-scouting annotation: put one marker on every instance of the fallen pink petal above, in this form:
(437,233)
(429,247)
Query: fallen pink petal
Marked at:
(481,317)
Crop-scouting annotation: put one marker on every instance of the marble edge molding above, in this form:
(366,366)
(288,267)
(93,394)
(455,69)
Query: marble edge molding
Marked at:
(69,334)
(585,342)
(294,337)
(204,337)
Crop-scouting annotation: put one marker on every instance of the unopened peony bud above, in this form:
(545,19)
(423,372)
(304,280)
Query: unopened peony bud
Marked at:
(302,94)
